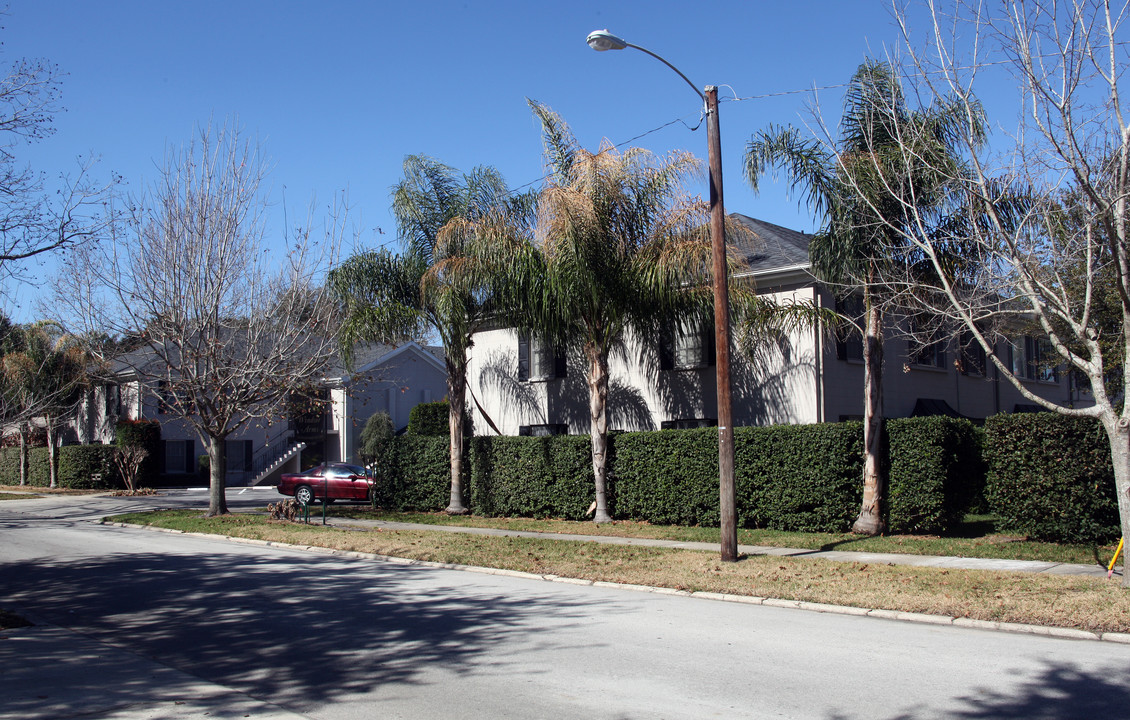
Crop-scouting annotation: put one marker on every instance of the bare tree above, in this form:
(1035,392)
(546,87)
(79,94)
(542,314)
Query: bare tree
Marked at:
(1042,230)
(128,459)
(227,328)
(35,218)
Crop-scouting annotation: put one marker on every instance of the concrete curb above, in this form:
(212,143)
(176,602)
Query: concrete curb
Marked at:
(901,616)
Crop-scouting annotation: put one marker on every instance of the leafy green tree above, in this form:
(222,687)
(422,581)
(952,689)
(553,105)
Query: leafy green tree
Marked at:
(393,298)
(888,159)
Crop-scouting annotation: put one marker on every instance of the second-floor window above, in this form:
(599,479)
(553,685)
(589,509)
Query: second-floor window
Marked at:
(972,355)
(1033,359)
(928,354)
(686,345)
(849,340)
(539,360)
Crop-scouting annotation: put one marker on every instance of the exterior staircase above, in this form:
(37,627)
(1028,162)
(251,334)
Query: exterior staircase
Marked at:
(267,464)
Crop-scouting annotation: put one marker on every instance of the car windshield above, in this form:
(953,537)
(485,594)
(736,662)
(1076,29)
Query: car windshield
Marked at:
(347,470)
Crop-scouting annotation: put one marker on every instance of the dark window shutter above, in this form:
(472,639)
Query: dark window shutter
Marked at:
(190,456)
(523,357)
(667,348)
(708,342)
(559,362)
(247,455)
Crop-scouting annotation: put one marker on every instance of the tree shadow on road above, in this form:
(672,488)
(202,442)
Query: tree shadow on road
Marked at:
(297,630)
(1060,691)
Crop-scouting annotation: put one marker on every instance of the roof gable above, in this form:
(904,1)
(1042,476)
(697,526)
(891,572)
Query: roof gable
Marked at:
(772,247)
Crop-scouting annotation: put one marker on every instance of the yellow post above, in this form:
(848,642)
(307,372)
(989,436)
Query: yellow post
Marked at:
(1113,560)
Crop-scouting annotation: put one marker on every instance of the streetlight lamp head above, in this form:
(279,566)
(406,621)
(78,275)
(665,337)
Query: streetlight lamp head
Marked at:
(602,40)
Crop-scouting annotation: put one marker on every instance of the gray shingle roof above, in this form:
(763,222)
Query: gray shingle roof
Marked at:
(772,246)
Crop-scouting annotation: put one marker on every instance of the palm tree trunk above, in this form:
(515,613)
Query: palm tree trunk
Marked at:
(23,453)
(598,428)
(217,496)
(51,472)
(870,520)
(456,403)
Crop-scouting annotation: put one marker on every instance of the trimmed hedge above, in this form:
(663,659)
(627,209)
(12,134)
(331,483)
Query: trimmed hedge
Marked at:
(37,473)
(78,465)
(429,419)
(1050,477)
(669,477)
(935,472)
(805,478)
(537,477)
(88,467)
(417,476)
(801,478)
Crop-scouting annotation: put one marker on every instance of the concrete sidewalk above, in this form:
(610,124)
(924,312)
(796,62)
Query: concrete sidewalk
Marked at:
(1032,566)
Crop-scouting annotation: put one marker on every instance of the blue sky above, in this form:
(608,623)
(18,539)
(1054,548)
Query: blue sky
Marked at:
(339,92)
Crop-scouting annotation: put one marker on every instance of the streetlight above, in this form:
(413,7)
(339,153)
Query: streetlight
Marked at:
(602,40)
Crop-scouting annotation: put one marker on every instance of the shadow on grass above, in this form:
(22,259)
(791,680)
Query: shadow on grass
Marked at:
(1059,691)
(294,629)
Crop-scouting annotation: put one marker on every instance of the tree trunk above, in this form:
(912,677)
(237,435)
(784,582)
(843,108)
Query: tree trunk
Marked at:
(870,520)
(217,477)
(456,403)
(51,473)
(598,429)
(23,454)
(1118,433)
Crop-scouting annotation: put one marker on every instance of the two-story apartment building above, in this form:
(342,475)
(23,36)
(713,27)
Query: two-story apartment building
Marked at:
(807,376)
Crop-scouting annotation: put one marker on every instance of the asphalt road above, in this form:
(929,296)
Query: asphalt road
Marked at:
(269,632)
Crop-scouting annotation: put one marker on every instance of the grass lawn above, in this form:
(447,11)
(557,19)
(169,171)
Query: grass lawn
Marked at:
(976,538)
(1086,603)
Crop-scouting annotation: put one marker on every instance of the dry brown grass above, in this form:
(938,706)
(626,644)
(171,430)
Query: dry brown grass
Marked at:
(1063,601)
(46,490)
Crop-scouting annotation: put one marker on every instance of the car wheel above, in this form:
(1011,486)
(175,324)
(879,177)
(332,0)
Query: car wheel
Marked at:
(304,494)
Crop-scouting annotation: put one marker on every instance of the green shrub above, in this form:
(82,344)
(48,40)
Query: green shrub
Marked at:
(147,434)
(418,477)
(37,472)
(1049,477)
(88,467)
(804,478)
(429,419)
(375,435)
(532,476)
(666,477)
(935,473)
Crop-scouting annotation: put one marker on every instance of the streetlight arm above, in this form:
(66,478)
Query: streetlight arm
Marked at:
(660,59)
(601,40)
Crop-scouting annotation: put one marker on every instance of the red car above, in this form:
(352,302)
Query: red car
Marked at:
(335,481)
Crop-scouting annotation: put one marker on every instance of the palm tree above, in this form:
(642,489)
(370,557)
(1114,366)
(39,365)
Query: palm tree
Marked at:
(617,247)
(888,158)
(45,373)
(394,298)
